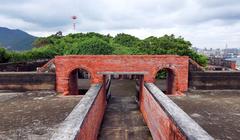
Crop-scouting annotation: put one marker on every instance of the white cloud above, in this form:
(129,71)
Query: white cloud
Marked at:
(12,22)
(205,23)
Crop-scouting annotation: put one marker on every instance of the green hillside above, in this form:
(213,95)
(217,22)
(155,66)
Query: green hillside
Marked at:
(15,39)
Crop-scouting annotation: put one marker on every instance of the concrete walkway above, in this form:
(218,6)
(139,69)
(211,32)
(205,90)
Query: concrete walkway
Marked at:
(122,119)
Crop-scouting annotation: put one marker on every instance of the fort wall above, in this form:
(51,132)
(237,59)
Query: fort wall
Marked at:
(27,81)
(214,80)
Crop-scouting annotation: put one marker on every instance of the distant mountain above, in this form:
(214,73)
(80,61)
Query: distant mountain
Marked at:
(15,39)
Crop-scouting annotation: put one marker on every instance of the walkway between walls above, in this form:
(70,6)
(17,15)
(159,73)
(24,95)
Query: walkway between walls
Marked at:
(123,119)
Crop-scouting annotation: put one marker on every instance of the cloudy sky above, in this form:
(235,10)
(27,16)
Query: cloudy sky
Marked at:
(206,23)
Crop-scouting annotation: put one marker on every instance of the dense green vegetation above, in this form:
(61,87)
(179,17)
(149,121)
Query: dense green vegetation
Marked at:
(4,55)
(94,43)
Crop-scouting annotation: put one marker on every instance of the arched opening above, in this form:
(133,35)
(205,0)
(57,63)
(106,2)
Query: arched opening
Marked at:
(166,81)
(84,82)
(79,81)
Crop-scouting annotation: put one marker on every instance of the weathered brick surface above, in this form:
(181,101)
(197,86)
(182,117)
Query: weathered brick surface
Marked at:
(95,64)
(159,123)
(90,128)
(73,83)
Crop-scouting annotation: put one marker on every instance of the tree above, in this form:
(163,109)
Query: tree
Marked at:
(126,40)
(95,43)
(170,45)
(4,55)
(92,46)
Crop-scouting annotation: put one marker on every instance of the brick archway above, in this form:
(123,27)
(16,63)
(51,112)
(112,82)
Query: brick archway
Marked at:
(98,65)
(73,80)
(172,78)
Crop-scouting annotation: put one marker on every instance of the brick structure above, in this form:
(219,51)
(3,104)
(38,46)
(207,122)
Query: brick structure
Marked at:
(99,65)
(160,124)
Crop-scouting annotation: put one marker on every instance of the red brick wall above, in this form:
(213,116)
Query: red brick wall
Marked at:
(90,128)
(94,64)
(171,82)
(233,65)
(160,125)
(73,82)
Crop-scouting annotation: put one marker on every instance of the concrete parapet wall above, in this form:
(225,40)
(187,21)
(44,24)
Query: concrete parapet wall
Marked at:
(160,125)
(22,66)
(165,119)
(27,81)
(92,122)
(222,62)
(84,122)
(211,80)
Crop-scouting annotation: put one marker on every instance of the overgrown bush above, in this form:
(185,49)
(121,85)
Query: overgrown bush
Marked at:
(92,46)
(126,40)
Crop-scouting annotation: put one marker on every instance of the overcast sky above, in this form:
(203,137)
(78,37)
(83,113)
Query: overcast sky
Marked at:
(206,23)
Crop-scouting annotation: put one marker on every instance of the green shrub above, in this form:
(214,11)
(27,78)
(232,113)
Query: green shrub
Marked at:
(4,55)
(126,40)
(92,46)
